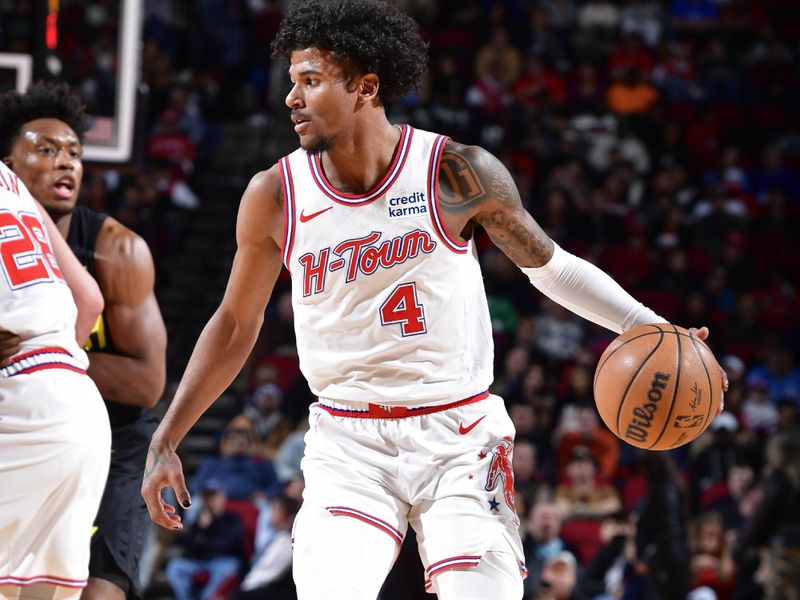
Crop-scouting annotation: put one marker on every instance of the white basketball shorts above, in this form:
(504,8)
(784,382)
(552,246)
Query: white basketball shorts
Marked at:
(55,445)
(445,470)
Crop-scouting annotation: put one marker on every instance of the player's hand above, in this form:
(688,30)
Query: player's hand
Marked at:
(10,344)
(702,334)
(163,468)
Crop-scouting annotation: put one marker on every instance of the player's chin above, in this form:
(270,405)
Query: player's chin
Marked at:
(314,144)
(61,206)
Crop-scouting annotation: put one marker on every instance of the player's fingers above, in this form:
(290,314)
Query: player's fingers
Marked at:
(156,507)
(699,332)
(181,492)
(10,344)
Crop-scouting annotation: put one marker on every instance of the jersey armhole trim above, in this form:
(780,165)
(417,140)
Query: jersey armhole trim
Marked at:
(433,199)
(288,211)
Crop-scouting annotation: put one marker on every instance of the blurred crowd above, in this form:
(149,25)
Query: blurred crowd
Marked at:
(658,139)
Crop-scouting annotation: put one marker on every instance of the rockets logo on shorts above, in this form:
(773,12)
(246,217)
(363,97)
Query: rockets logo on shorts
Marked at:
(501,468)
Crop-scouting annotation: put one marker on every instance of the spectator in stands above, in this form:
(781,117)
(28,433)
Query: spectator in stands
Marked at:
(270,576)
(759,413)
(582,430)
(604,577)
(290,453)
(508,381)
(264,411)
(642,17)
(547,39)
(719,452)
(776,522)
(730,499)
(581,495)
(238,468)
(212,548)
(711,560)
(779,374)
(499,59)
(632,94)
(558,332)
(528,480)
(559,579)
(542,540)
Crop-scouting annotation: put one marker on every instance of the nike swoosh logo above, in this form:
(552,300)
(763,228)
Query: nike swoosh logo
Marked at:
(304,218)
(465,430)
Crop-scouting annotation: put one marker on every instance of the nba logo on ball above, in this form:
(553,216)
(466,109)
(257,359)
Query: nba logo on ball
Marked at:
(656,386)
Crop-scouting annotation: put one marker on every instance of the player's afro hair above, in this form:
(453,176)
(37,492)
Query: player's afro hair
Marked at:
(40,101)
(369,36)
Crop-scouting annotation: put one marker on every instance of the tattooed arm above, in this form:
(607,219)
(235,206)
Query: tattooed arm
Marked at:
(476,188)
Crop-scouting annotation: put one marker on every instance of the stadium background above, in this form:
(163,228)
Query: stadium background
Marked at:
(658,139)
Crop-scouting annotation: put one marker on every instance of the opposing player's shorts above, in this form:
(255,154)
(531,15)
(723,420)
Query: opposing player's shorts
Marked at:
(55,444)
(444,470)
(122,520)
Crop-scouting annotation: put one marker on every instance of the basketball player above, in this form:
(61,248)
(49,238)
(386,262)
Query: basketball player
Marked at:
(44,129)
(55,439)
(375,223)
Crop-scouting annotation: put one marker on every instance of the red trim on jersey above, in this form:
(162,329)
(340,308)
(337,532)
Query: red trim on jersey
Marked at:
(461,561)
(52,579)
(346,511)
(289,221)
(52,365)
(454,562)
(393,172)
(46,350)
(433,199)
(39,360)
(381,411)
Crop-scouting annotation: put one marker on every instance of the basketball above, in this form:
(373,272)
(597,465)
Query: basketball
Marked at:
(657,386)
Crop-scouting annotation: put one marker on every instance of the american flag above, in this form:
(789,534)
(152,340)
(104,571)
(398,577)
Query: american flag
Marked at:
(102,130)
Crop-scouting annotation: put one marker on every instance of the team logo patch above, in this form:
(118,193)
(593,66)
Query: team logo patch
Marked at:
(500,468)
(407,206)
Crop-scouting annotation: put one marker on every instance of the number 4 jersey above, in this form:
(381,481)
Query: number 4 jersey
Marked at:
(389,307)
(35,302)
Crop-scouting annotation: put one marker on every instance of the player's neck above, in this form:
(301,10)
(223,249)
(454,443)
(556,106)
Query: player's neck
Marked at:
(355,164)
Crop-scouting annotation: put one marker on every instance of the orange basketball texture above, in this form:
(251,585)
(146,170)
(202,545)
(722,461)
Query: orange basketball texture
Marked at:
(657,387)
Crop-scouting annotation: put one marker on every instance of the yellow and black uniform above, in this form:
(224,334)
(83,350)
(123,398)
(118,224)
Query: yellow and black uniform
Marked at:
(122,519)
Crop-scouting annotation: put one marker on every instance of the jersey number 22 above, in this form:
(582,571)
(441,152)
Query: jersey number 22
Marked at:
(25,252)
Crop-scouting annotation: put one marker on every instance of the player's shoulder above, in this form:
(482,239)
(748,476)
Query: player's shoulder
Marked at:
(121,245)
(476,156)
(267,187)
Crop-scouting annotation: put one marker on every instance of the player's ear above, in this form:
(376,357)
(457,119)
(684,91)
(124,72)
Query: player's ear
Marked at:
(8,162)
(368,88)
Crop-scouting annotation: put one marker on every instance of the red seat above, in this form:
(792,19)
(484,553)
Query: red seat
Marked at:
(584,536)
(248,512)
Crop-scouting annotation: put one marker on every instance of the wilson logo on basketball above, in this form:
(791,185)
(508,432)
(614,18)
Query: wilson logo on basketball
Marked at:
(639,425)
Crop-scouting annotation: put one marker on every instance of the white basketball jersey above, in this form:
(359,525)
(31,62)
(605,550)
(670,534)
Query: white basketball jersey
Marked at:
(35,302)
(389,307)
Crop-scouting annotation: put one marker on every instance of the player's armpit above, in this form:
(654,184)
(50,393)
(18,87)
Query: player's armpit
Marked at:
(474,186)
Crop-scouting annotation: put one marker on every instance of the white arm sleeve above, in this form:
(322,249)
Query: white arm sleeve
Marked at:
(589,292)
